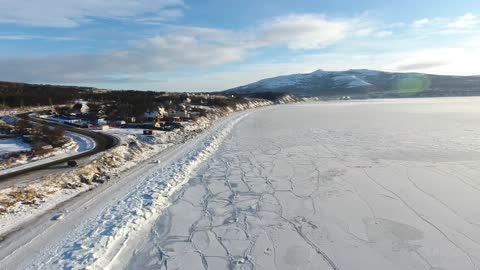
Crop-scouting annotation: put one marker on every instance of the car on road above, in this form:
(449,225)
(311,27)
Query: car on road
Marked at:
(72,163)
(58,216)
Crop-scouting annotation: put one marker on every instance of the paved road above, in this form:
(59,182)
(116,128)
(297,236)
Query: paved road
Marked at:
(36,175)
(83,142)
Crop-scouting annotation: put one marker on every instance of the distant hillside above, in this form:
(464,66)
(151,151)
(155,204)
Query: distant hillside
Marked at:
(14,94)
(365,83)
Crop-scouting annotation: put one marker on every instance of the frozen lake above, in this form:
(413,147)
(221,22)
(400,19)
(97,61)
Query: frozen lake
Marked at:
(382,184)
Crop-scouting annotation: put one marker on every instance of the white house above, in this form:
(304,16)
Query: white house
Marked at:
(85,108)
(150,115)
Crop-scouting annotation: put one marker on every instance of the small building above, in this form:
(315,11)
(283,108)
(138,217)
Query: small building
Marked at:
(73,121)
(149,116)
(162,112)
(100,121)
(81,107)
(172,119)
(155,115)
(180,114)
(194,115)
(84,109)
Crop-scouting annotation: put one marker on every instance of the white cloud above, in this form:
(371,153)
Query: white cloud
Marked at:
(421,23)
(304,31)
(310,31)
(443,60)
(32,37)
(151,55)
(466,21)
(17,37)
(161,17)
(71,13)
(364,32)
(383,34)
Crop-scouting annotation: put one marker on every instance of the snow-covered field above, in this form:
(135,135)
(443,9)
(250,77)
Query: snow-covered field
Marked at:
(382,184)
(13,145)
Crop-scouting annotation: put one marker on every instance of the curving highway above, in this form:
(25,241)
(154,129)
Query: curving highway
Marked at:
(89,143)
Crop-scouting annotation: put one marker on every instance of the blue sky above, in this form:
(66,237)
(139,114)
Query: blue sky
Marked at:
(186,45)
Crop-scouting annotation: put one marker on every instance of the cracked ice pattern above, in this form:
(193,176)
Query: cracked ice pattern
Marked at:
(361,185)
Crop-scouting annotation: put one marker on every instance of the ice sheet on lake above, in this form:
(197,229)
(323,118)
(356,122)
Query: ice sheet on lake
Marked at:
(357,185)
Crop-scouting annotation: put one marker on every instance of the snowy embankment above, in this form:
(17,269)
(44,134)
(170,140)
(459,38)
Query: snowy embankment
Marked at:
(107,235)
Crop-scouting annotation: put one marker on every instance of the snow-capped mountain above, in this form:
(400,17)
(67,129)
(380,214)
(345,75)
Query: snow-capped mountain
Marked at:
(362,82)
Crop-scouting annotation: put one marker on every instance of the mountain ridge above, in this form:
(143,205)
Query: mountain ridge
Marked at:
(365,83)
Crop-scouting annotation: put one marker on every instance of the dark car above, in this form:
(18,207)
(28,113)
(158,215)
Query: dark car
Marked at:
(72,163)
